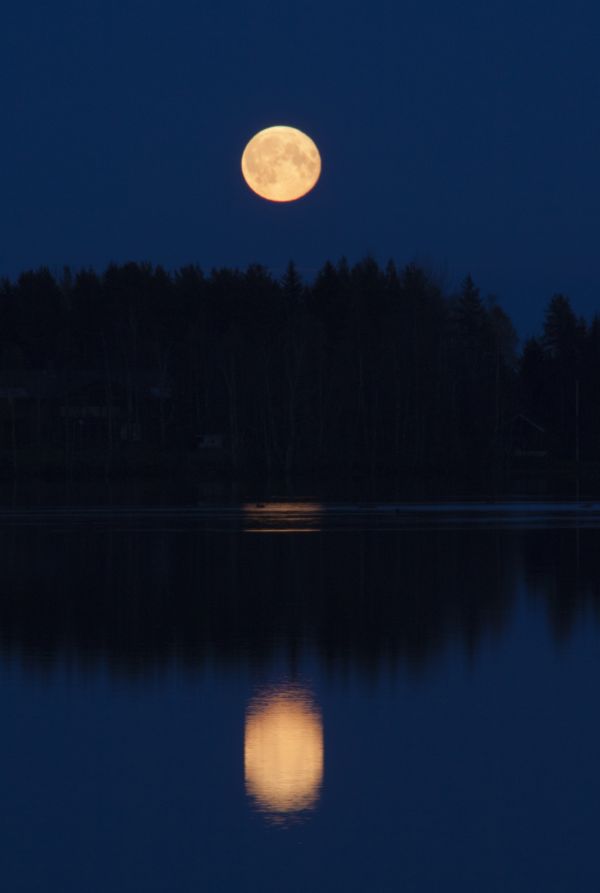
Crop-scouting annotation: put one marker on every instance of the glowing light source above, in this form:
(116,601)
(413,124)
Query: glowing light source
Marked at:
(283,517)
(281,164)
(283,751)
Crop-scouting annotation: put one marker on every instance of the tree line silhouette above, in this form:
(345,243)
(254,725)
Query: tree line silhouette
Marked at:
(365,370)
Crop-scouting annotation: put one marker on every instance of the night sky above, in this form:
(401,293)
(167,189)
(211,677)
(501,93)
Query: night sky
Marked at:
(465,136)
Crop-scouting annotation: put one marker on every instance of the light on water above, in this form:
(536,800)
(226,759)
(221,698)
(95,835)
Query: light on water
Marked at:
(280,517)
(283,751)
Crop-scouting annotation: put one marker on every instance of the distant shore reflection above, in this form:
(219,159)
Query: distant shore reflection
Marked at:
(283,752)
(282,517)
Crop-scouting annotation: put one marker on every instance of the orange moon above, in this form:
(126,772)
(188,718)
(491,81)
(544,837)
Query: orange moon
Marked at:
(281,164)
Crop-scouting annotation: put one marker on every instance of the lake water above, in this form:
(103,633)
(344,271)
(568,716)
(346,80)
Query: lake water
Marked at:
(301,697)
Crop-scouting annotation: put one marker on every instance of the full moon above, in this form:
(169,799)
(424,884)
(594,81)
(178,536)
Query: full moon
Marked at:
(281,164)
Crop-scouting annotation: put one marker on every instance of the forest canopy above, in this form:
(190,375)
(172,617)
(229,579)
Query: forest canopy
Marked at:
(365,369)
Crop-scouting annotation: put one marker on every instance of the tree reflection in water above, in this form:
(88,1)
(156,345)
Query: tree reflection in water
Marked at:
(140,596)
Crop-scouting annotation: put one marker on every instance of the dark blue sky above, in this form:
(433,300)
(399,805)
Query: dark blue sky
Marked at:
(465,135)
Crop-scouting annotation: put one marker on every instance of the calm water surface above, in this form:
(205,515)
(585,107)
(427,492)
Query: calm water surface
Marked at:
(291,696)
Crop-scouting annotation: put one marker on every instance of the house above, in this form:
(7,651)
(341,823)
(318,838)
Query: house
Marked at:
(84,409)
(209,441)
(528,440)
(136,406)
(27,400)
